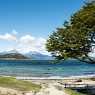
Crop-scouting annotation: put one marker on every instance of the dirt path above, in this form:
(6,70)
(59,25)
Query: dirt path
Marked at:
(50,90)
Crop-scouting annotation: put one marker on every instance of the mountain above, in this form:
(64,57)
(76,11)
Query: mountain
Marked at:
(13,54)
(38,56)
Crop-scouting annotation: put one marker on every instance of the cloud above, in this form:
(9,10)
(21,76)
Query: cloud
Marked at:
(29,43)
(8,37)
(27,39)
(25,43)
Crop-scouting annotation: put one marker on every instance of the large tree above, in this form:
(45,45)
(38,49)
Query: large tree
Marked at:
(77,36)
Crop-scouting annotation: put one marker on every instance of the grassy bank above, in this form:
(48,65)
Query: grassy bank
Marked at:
(10,82)
(73,92)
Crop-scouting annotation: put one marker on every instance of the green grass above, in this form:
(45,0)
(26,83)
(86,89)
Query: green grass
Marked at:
(10,82)
(93,78)
(73,92)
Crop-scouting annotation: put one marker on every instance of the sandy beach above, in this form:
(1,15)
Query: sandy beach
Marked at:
(56,87)
(49,87)
(52,86)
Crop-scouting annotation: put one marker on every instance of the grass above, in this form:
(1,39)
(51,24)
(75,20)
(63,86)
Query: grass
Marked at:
(10,82)
(73,92)
(93,78)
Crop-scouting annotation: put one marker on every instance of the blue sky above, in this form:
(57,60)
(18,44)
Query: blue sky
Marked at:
(35,18)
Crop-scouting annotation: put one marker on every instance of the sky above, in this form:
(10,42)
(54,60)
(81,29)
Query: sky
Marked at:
(26,24)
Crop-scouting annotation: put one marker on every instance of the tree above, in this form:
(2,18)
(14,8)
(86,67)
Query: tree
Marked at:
(76,38)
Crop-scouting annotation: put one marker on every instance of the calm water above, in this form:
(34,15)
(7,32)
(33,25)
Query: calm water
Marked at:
(45,68)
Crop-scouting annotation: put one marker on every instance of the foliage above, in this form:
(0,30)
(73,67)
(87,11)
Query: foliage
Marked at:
(76,38)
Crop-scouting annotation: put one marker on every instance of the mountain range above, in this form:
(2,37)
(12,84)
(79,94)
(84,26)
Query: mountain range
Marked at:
(13,54)
(38,56)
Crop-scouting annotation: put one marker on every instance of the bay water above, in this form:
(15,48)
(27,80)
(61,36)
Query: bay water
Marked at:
(45,68)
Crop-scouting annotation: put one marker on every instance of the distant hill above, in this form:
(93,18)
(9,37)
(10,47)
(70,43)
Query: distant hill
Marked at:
(12,55)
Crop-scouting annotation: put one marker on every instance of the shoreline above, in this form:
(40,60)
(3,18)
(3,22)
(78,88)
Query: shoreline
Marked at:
(51,77)
(55,77)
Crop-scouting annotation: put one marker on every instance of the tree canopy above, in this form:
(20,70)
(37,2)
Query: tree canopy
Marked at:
(77,36)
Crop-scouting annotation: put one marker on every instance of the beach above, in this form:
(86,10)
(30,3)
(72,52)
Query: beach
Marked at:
(50,86)
(57,87)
